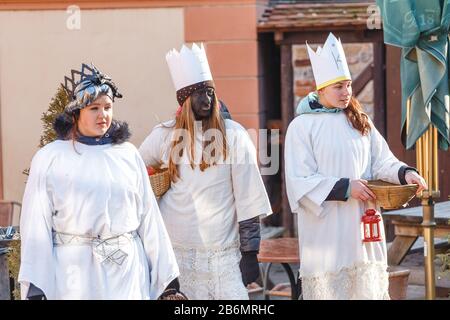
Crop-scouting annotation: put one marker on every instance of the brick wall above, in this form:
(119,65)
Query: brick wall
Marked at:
(231,41)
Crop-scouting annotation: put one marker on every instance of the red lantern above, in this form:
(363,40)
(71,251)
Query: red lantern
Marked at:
(371,226)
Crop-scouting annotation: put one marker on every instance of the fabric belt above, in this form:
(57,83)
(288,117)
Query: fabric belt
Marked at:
(105,249)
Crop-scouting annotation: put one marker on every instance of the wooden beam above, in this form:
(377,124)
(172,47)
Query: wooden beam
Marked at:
(287,114)
(319,36)
(363,78)
(1,155)
(406,230)
(311,27)
(379,87)
(399,248)
(409,230)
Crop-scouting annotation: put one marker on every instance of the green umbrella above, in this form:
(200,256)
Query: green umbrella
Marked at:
(421,28)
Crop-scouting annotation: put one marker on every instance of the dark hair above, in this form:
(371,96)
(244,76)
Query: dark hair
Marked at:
(66,126)
(74,133)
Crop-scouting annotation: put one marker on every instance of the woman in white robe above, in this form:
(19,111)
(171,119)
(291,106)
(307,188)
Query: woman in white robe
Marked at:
(90,225)
(331,150)
(328,163)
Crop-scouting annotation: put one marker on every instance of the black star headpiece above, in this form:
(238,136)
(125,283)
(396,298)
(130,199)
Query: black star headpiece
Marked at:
(85,86)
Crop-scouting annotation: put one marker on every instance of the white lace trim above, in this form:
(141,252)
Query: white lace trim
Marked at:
(211,273)
(359,282)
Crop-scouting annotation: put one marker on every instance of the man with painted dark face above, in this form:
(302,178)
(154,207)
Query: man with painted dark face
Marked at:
(217,196)
(202,103)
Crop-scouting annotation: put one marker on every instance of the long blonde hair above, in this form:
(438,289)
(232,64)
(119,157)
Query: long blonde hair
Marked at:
(185,122)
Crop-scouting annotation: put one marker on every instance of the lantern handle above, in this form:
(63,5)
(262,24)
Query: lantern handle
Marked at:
(371,212)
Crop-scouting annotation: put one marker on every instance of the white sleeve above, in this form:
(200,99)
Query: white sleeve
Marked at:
(249,191)
(37,262)
(151,148)
(306,188)
(152,231)
(384,165)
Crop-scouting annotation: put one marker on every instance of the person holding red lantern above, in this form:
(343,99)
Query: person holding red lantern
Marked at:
(331,150)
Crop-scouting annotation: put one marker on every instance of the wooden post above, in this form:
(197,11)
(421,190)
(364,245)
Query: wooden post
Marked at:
(379,87)
(1,157)
(287,114)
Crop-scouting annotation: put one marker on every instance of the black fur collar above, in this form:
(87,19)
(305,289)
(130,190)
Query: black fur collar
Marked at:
(119,131)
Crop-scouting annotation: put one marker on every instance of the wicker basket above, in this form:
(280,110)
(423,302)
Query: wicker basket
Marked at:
(160,182)
(392,196)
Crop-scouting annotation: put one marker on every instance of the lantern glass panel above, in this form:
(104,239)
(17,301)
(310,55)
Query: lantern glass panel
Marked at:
(375,230)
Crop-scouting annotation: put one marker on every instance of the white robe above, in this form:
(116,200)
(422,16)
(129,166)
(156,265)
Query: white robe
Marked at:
(103,192)
(202,210)
(320,149)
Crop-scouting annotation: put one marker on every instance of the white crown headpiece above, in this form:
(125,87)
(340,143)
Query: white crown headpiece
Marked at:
(189,69)
(329,64)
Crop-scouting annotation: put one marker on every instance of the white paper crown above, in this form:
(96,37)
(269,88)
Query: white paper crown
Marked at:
(329,63)
(189,66)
